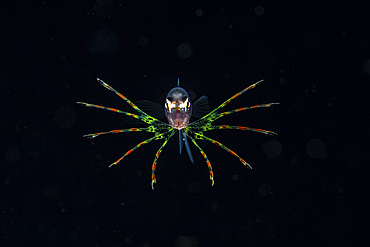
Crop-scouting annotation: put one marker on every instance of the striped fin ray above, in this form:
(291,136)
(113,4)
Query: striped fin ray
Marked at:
(154,165)
(232,98)
(200,136)
(210,170)
(144,116)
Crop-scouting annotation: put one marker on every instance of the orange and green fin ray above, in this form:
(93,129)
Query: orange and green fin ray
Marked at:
(93,135)
(157,136)
(133,149)
(154,165)
(110,109)
(232,98)
(203,124)
(154,127)
(143,117)
(219,115)
(230,127)
(210,170)
(200,136)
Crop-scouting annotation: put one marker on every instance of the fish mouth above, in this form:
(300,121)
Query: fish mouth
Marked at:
(179,125)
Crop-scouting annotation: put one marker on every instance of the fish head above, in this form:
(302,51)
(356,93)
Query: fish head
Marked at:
(178,108)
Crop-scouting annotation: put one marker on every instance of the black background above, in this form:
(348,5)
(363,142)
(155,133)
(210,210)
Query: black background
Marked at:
(308,186)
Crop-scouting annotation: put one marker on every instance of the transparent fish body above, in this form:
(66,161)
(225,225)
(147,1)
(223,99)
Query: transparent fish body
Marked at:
(179,109)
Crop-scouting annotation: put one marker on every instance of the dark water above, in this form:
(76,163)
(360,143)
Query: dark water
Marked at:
(307,186)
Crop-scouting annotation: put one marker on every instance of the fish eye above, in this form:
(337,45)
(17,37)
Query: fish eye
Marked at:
(186,102)
(166,105)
